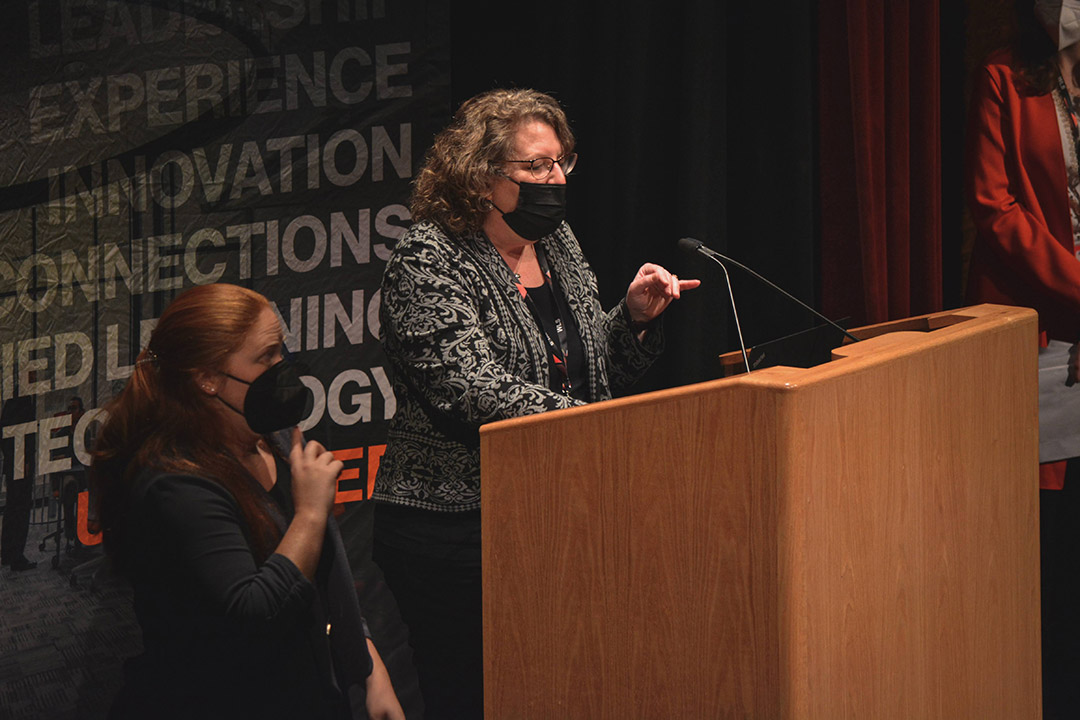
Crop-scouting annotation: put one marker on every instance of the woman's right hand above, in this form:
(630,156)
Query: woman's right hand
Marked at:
(314,476)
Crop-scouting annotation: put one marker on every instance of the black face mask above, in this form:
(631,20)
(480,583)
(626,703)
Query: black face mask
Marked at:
(275,400)
(540,210)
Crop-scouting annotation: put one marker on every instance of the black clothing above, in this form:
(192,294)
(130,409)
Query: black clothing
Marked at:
(19,490)
(431,561)
(1060,565)
(549,311)
(17,501)
(69,483)
(224,636)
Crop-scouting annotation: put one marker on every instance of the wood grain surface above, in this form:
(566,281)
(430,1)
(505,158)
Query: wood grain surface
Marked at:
(854,540)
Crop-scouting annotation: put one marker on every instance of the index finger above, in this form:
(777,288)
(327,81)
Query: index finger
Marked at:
(296,440)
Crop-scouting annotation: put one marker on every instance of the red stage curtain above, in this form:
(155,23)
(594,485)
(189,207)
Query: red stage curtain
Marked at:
(880,158)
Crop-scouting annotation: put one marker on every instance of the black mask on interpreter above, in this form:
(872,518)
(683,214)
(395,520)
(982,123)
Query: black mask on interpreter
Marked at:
(275,400)
(541,208)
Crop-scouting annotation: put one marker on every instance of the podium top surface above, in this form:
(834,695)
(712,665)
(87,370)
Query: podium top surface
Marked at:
(879,344)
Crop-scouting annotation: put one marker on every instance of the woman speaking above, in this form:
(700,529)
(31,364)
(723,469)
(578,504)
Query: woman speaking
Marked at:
(489,311)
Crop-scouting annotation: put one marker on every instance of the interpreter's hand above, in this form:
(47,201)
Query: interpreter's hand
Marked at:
(652,290)
(1074,365)
(314,475)
(382,702)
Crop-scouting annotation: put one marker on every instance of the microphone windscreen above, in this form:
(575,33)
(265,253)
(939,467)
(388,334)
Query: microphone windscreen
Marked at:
(689,244)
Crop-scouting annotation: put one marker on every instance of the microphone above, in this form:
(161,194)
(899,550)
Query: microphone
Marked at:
(690,245)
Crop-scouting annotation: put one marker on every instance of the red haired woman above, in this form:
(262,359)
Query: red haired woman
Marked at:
(218,512)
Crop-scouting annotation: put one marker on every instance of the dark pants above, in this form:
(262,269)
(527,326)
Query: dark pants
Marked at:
(16,519)
(1059,526)
(437,589)
(71,484)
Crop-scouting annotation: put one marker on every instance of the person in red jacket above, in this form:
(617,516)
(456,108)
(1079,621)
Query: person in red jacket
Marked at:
(1023,145)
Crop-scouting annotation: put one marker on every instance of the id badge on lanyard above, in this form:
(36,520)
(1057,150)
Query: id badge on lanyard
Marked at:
(1074,124)
(557,346)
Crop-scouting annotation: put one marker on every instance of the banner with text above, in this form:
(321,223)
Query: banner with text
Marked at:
(152,146)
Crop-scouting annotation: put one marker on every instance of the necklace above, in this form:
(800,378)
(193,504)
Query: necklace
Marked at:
(1074,116)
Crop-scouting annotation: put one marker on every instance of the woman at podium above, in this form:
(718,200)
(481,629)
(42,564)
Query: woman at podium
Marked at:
(489,311)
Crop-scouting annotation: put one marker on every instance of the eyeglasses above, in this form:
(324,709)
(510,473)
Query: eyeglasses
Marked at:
(541,167)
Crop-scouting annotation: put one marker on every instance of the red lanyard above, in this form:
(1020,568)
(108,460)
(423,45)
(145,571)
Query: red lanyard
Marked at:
(558,350)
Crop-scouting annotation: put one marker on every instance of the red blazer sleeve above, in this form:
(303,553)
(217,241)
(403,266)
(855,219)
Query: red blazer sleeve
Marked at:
(1017,182)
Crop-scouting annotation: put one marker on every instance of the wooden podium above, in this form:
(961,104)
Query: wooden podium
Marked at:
(853,540)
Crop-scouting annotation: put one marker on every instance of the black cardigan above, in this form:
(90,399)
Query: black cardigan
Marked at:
(224,636)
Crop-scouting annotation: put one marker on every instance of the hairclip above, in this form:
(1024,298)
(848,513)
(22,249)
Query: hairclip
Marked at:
(150,357)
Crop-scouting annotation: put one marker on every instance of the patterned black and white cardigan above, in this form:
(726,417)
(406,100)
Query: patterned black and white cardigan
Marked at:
(465,351)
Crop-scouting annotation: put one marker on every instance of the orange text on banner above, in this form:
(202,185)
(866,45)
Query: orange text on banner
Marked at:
(374,453)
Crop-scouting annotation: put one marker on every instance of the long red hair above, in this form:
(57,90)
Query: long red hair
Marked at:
(162,420)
